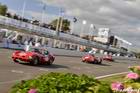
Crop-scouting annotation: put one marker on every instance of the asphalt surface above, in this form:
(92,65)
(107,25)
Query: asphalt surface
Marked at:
(11,72)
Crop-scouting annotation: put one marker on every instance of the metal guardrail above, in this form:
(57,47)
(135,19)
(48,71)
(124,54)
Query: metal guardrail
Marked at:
(51,34)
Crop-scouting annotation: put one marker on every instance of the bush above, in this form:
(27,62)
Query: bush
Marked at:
(61,83)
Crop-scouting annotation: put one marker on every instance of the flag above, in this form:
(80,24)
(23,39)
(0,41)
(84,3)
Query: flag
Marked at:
(74,19)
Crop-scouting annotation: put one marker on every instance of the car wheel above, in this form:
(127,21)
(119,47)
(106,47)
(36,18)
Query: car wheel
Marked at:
(96,62)
(35,61)
(15,60)
(83,61)
(100,62)
(50,62)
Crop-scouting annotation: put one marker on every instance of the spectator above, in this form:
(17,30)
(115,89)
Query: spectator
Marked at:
(7,41)
(27,45)
(26,42)
(37,44)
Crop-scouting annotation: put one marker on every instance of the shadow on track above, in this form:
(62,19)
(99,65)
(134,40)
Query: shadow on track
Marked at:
(53,66)
(99,64)
(103,64)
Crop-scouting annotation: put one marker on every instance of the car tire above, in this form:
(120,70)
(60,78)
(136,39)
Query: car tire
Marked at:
(96,62)
(50,61)
(35,61)
(15,60)
(100,62)
(83,61)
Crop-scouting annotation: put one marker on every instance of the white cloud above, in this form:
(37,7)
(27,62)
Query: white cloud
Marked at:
(122,16)
(12,11)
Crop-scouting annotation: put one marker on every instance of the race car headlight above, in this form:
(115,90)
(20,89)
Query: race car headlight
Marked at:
(30,57)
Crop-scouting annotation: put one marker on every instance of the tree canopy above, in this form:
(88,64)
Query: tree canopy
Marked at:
(65,24)
(3,9)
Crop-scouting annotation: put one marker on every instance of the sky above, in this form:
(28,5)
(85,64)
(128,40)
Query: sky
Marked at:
(121,16)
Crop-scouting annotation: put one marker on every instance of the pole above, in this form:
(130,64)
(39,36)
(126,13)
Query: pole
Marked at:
(57,25)
(82,28)
(43,12)
(23,9)
(90,31)
(61,22)
(72,27)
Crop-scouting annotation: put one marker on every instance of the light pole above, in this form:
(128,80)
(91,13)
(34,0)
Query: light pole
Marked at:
(43,12)
(57,24)
(72,27)
(90,31)
(23,9)
(61,21)
(84,22)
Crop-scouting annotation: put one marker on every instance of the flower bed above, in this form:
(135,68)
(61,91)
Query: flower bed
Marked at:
(72,83)
(131,82)
(61,83)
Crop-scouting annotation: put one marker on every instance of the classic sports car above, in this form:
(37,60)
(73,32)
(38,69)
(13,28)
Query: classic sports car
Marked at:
(34,56)
(90,58)
(108,58)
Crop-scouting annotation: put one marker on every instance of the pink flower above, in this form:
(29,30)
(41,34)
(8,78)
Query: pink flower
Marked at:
(117,86)
(32,91)
(132,76)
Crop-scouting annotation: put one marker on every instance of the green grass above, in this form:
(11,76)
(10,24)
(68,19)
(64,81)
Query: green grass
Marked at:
(116,78)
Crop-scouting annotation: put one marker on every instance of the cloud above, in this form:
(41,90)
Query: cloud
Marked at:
(122,16)
(12,11)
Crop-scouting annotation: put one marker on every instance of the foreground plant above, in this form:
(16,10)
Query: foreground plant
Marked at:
(131,82)
(61,83)
(117,86)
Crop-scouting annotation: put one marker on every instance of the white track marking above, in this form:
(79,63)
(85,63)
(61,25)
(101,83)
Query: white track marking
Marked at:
(99,77)
(44,69)
(75,67)
(17,71)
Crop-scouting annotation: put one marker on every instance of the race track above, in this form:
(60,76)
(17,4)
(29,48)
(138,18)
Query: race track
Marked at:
(11,72)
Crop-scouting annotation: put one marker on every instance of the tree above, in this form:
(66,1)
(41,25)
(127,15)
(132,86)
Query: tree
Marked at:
(65,24)
(3,9)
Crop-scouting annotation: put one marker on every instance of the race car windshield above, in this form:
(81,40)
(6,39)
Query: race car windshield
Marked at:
(46,52)
(34,50)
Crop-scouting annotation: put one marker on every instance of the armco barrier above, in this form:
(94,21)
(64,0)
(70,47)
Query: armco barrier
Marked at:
(55,51)
(63,52)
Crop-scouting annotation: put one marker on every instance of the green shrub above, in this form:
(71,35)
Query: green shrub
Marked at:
(62,83)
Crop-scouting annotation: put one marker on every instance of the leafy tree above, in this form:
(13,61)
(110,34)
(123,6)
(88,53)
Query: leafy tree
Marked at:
(65,24)
(3,9)
(138,55)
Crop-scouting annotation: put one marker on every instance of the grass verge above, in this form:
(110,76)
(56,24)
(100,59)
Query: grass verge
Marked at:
(110,79)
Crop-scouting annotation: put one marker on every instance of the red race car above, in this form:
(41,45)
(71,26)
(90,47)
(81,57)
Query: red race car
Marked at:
(34,56)
(90,58)
(108,58)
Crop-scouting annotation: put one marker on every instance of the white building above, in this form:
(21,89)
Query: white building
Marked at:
(103,35)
